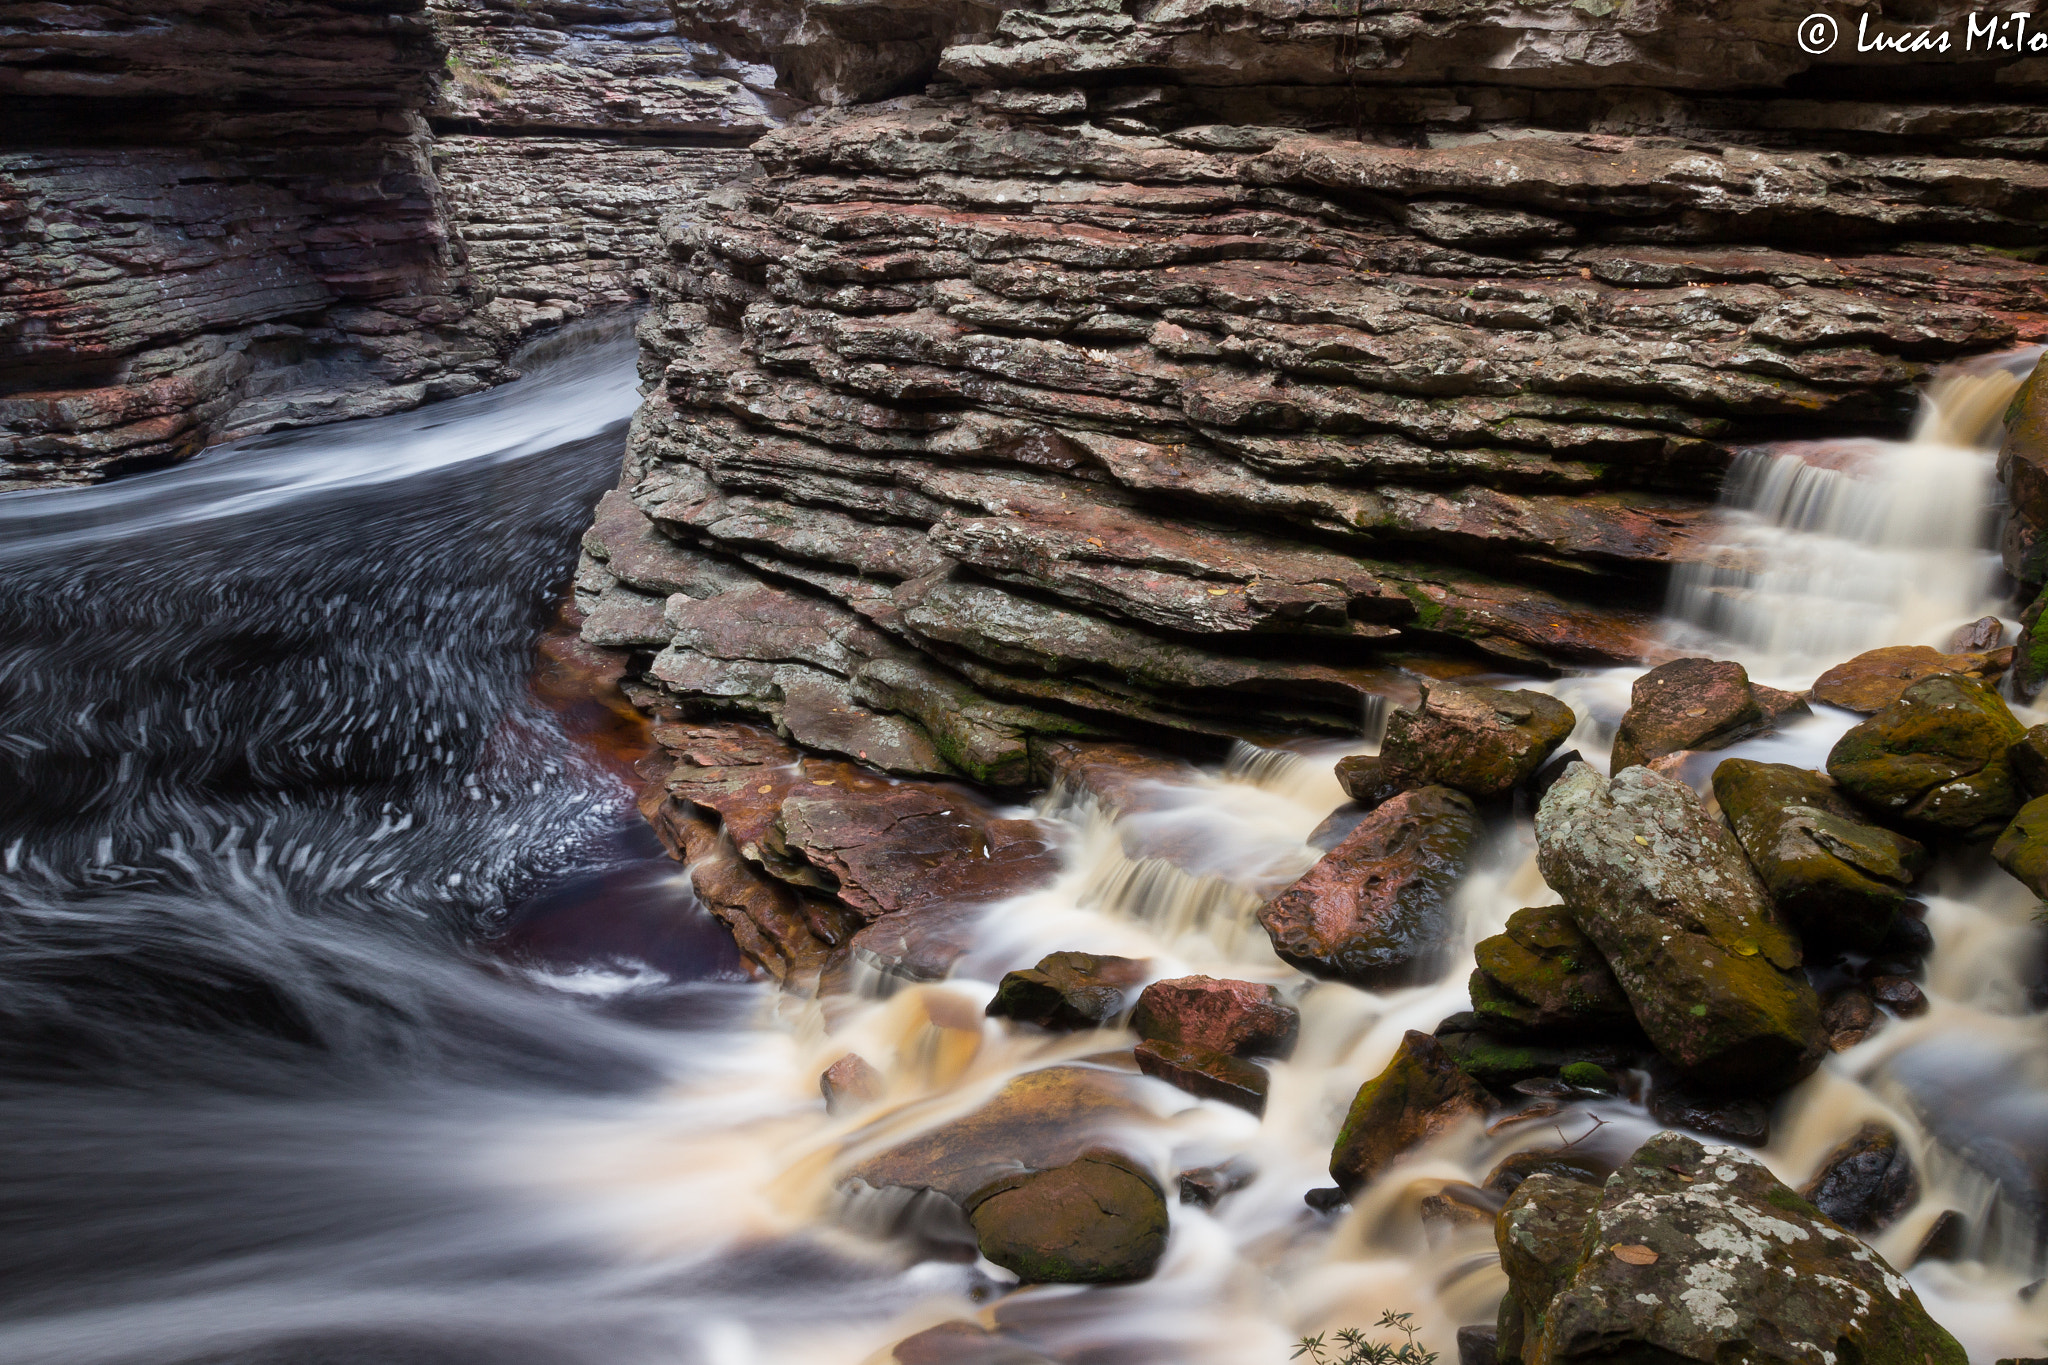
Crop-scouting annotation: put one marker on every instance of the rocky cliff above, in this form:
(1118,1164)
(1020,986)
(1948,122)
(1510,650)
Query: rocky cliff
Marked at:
(1208,370)
(221,219)
(218,217)
(566,130)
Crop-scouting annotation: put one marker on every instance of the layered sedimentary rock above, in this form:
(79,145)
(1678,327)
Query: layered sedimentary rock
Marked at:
(218,217)
(1209,371)
(566,131)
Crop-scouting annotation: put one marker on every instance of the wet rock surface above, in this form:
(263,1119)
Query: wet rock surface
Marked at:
(1877,678)
(1665,892)
(1688,1248)
(1479,740)
(1543,976)
(1375,910)
(1068,991)
(1238,1018)
(1935,759)
(1867,1182)
(1420,1095)
(1837,880)
(2022,846)
(1101,1217)
(1688,704)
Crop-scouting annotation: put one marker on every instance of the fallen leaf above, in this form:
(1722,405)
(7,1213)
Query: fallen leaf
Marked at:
(1633,1253)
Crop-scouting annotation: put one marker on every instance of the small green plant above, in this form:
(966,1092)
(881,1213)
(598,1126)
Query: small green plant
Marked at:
(1354,1348)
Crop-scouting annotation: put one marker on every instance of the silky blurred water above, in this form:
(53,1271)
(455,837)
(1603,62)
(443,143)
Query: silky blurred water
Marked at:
(350,1014)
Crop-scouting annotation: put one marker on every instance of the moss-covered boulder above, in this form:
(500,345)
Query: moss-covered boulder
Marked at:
(1936,759)
(1100,1218)
(1481,740)
(2029,758)
(1664,891)
(1538,1232)
(1068,991)
(1695,1253)
(1836,878)
(1499,1061)
(1376,910)
(1419,1095)
(1542,976)
(1876,678)
(2022,847)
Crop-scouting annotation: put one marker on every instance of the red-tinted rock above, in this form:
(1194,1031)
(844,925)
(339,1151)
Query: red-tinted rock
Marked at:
(1376,910)
(1687,704)
(1900,994)
(1365,779)
(1982,635)
(850,1083)
(1210,1075)
(1238,1018)
(1480,740)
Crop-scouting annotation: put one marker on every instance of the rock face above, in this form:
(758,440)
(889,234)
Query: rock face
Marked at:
(1376,910)
(1688,1251)
(219,220)
(565,131)
(1665,892)
(1837,879)
(1936,759)
(1189,371)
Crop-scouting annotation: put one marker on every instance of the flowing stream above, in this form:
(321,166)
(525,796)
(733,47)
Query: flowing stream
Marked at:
(299,1066)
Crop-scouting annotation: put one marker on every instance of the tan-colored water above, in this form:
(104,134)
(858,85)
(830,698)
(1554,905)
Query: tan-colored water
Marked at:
(747,1154)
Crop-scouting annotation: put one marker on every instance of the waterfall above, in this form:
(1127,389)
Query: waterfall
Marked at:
(1830,548)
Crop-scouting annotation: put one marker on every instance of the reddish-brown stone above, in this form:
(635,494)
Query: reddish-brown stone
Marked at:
(1238,1018)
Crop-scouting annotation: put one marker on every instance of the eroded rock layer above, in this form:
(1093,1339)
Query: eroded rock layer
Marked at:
(218,217)
(1046,409)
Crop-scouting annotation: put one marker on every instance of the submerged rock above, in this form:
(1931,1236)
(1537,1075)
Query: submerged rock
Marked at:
(1542,975)
(1480,740)
(1837,879)
(1099,1218)
(1375,911)
(1688,704)
(1866,1182)
(1068,991)
(1935,758)
(1689,1250)
(1664,891)
(1419,1095)
(1875,679)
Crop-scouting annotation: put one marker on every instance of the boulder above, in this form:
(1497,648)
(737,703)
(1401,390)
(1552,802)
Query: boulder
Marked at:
(1366,780)
(1068,991)
(1687,704)
(1690,1250)
(1866,1182)
(1099,1218)
(1849,1017)
(1376,910)
(1538,1232)
(1480,740)
(1901,995)
(1875,679)
(1936,758)
(1981,635)
(1663,890)
(1733,1118)
(1205,1073)
(1237,1018)
(2022,847)
(850,1083)
(2028,756)
(1542,975)
(1837,879)
(1419,1095)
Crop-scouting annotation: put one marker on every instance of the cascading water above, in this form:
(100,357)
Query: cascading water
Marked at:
(268,1095)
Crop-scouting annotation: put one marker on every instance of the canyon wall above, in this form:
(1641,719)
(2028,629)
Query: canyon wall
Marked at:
(219,217)
(1196,372)
(223,219)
